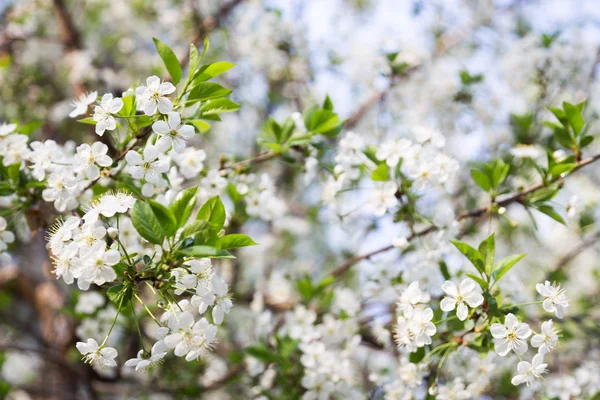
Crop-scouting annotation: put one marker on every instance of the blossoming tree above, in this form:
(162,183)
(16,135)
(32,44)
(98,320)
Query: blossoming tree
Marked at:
(173,225)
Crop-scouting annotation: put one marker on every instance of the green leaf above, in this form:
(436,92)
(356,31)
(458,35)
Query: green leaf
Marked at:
(195,227)
(549,211)
(146,223)
(89,121)
(444,270)
(505,265)
(206,91)
(487,248)
(560,169)
(563,137)
(201,126)
(128,106)
(381,173)
(205,252)
(114,293)
(262,353)
(170,60)
(120,294)
(574,116)
(584,141)
(213,211)
(194,58)
(478,279)
(327,104)
(417,356)
(183,204)
(499,173)
(481,179)
(236,240)
(217,106)
(305,288)
(472,255)
(543,194)
(212,70)
(322,121)
(165,217)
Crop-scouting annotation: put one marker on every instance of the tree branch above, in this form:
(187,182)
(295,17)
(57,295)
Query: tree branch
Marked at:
(517,197)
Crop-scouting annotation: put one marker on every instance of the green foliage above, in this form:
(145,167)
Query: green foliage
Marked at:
(235,240)
(170,60)
(483,260)
(381,173)
(183,204)
(213,212)
(147,223)
(491,176)
(570,130)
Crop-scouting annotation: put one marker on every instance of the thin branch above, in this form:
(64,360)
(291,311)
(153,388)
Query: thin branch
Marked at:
(565,260)
(515,198)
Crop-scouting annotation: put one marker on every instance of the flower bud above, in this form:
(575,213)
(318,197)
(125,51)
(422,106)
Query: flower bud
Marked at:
(113,233)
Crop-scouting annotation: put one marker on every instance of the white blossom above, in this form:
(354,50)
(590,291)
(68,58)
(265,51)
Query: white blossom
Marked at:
(98,356)
(510,336)
(530,372)
(172,133)
(555,299)
(467,293)
(104,113)
(153,96)
(81,103)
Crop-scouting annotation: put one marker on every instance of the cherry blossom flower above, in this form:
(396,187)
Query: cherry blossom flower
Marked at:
(547,340)
(147,167)
(459,296)
(217,298)
(153,96)
(145,361)
(191,162)
(392,150)
(383,197)
(104,113)
(510,336)
(42,156)
(96,266)
(5,236)
(555,298)
(97,356)
(81,103)
(172,133)
(89,158)
(7,129)
(410,297)
(62,190)
(530,372)
(187,336)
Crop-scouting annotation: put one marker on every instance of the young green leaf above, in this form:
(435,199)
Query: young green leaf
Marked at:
(170,60)
(472,255)
(183,204)
(165,217)
(146,223)
(207,91)
(487,248)
(217,106)
(236,240)
(205,252)
(213,211)
(505,265)
(549,211)
(481,179)
(381,173)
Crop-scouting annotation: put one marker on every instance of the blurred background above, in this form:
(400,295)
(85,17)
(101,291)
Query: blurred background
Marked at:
(481,72)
